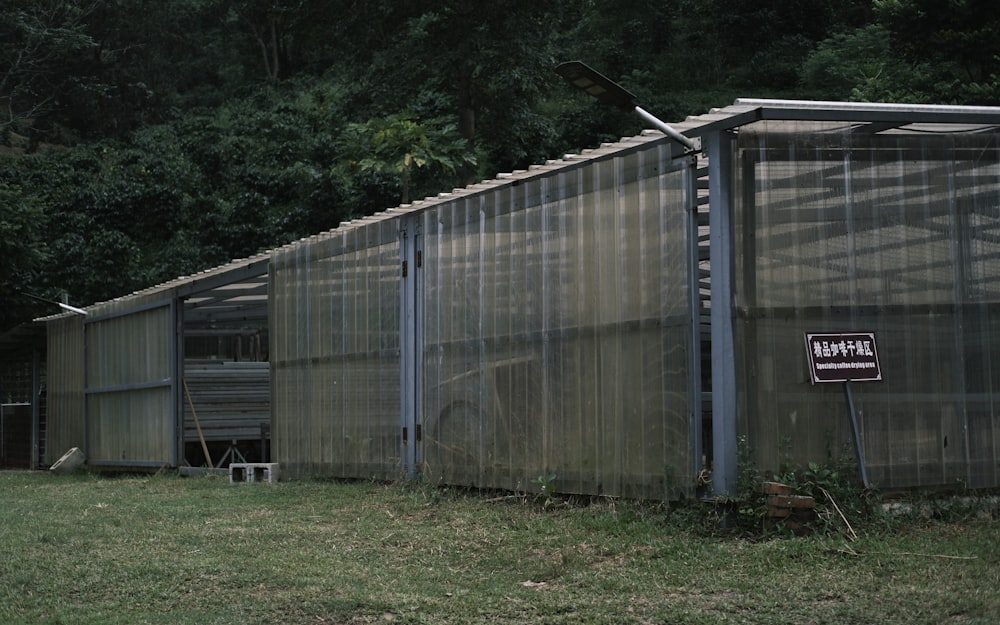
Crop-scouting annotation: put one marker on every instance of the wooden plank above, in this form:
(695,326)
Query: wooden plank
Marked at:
(232,400)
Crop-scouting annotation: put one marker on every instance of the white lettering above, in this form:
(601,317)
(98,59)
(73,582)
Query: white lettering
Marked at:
(822,366)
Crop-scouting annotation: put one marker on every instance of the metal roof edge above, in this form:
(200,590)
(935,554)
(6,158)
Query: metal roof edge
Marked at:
(232,272)
(719,119)
(252,267)
(55,316)
(745,111)
(865,107)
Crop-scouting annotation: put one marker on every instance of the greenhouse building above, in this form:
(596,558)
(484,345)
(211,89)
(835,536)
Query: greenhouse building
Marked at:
(811,281)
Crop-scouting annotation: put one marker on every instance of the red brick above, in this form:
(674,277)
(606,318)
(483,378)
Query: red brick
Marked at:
(791,501)
(776,488)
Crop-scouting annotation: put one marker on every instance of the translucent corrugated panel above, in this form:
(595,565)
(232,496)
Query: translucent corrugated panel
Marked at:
(64,386)
(130,420)
(334,331)
(557,331)
(841,229)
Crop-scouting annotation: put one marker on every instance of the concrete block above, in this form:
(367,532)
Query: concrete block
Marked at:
(252,472)
(70,461)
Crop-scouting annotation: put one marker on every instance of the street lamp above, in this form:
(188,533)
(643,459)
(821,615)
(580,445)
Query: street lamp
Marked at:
(66,307)
(72,309)
(589,80)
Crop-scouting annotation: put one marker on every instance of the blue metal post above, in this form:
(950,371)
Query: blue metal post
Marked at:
(694,361)
(725,473)
(410,347)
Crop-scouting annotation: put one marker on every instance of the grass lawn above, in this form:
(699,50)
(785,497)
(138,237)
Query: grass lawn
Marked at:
(88,549)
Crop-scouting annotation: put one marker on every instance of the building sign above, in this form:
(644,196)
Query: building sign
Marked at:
(847,357)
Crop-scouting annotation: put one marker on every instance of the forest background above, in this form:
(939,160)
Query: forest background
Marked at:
(142,140)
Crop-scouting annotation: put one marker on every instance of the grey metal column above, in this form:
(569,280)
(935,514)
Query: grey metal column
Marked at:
(177,384)
(36,408)
(410,346)
(694,361)
(960,253)
(418,345)
(83,391)
(725,473)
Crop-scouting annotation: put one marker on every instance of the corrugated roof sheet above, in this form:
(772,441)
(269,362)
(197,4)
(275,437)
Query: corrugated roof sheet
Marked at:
(883,118)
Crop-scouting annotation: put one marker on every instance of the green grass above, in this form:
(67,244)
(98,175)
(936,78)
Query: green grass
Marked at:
(88,549)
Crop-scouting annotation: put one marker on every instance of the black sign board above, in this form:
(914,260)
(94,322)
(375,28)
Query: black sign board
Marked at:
(847,357)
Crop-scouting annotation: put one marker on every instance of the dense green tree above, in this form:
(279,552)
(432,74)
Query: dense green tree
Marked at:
(141,140)
(485,66)
(404,147)
(767,40)
(953,47)
(41,44)
(857,65)
(22,250)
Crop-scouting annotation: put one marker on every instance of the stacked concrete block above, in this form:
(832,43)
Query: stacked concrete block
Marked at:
(253,472)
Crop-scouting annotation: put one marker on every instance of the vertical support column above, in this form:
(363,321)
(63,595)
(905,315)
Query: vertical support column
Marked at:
(272,342)
(83,390)
(694,303)
(36,408)
(410,342)
(719,146)
(418,344)
(960,254)
(177,383)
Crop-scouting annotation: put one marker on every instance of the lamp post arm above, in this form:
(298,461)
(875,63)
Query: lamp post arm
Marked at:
(64,306)
(666,129)
(72,309)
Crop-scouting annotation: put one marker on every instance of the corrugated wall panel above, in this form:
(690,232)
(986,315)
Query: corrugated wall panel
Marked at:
(129,349)
(130,427)
(335,353)
(847,231)
(129,404)
(64,393)
(557,331)
(556,335)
